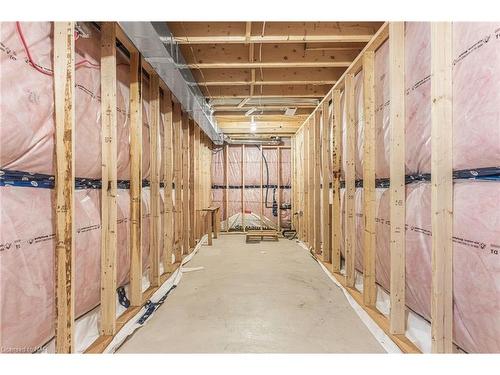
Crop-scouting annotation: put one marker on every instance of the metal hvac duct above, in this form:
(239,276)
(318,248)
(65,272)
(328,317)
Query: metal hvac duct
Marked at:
(156,44)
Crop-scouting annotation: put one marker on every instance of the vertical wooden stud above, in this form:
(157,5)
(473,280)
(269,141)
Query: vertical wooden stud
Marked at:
(369,196)
(325,192)
(278,167)
(154,139)
(397,177)
(64,100)
(350,180)
(185,184)
(135,179)
(177,133)
(316,144)
(242,171)
(168,177)
(109,183)
(192,125)
(336,214)
(442,187)
(225,191)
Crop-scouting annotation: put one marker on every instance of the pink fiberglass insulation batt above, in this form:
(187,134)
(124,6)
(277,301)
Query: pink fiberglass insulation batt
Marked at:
(476,98)
(27,259)
(27,106)
(476,262)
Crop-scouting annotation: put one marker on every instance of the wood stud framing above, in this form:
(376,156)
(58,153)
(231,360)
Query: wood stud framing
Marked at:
(350,188)
(394,325)
(442,187)
(154,139)
(325,189)
(168,176)
(336,216)
(369,195)
(64,98)
(109,179)
(178,145)
(397,177)
(135,179)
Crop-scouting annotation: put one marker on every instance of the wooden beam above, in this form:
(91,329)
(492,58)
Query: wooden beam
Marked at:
(109,183)
(168,177)
(369,195)
(276,64)
(336,165)
(298,91)
(185,184)
(196,167)
(269,83)
(226,183)
(317,182)
(177,130)
(325,167)
(278,171)
(191,152)
(154,140)
(311,207)
(242,171)
(268,76)
(350,188)
(272,32)
(397,176)
(135,179)
(442,187)
(64,104)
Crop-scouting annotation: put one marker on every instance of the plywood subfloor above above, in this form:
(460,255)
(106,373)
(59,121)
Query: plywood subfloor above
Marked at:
(264,297)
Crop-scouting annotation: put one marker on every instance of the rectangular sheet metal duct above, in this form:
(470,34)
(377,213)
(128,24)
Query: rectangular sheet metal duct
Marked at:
(156,44)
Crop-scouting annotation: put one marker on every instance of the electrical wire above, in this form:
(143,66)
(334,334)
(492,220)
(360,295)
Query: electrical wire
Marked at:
(38,67)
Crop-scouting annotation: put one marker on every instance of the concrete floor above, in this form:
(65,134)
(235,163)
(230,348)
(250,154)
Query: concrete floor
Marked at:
(270,297)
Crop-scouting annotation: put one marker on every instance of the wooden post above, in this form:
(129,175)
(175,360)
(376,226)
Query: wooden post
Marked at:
(225,191)
(64,100)
(192,125)
(350,187)
(185,184)
(294,181)
(168,214)
(325,166)
(197,207)
(316,144)
(278,167)
(307,184)
(199,190)
(369,198)
(109,183)
(261,188)
(177,178)
(442,187)
(397,176)
(336,214)
(154,140)
(243,188)
(135,179)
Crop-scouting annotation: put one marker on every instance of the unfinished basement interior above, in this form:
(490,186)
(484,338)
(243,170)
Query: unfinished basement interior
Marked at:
(250,187)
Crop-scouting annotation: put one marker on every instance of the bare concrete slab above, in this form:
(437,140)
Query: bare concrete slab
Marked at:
(269,297)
